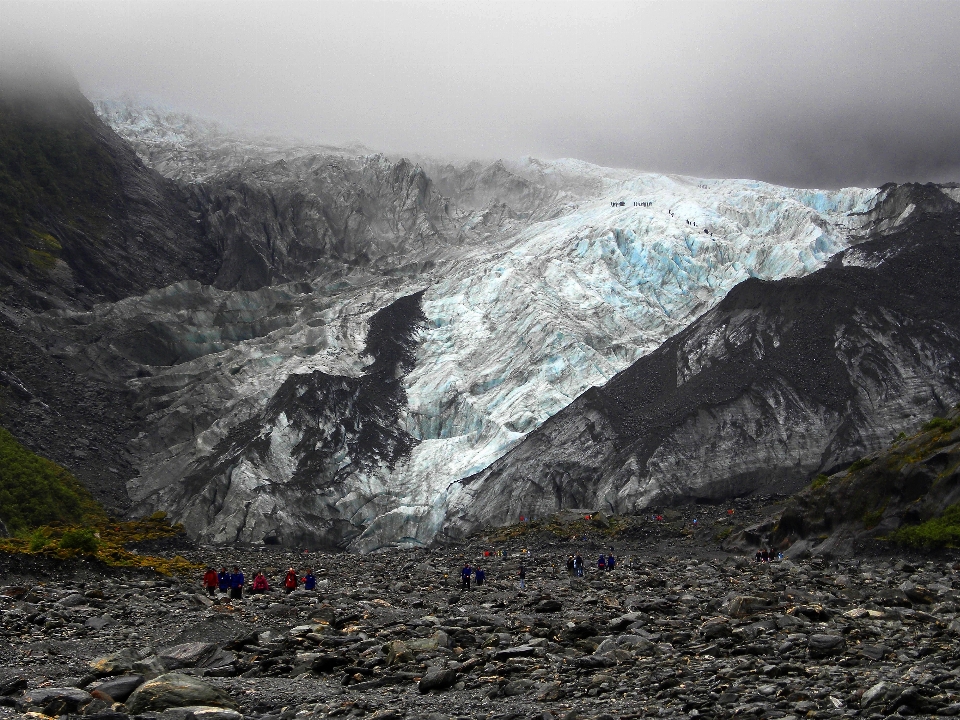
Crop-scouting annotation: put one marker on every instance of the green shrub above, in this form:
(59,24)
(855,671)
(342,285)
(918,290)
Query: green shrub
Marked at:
(819,481)
(722,534)
(38,540)
(942,424)
(872,519)
(81,539)
(940,532)
(860,465)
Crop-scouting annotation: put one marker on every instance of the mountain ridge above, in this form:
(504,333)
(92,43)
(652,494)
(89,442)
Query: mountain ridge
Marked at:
(765,351)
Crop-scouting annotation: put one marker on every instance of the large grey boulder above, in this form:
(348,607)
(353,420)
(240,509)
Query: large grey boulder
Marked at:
(822,645)
(186,655)
(437,679)
(174,690)
(118,688)
(56,701)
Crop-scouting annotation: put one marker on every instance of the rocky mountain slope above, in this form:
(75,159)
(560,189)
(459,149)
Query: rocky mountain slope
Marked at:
(780,381)
(530,282)
(82,220)
(536,281)
(898,493)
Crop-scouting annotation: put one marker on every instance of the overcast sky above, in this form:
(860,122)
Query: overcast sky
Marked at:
(801,93)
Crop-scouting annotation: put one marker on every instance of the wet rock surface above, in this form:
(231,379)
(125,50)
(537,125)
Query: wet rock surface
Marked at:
(678,629)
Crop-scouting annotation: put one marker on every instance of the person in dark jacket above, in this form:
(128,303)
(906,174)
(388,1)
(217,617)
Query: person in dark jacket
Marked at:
(223,580)
(522,574)
(309,581)
(602,563)
(236,584)
(465,576)
(480,576)
(578,565)
(611,561)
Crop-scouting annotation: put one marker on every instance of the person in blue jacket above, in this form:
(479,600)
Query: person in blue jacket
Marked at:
(309,581)
(611,561)
(236,584)
(479,576)
(223,580)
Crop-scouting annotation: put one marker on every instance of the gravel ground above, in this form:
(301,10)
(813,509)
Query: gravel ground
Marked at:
(678,628)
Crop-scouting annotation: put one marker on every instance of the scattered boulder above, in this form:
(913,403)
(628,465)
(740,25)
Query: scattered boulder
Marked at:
(116,663)
(548,605)
(56,701)
(118,688)
(822,645)
(186,655)
(437,678)
(175,690)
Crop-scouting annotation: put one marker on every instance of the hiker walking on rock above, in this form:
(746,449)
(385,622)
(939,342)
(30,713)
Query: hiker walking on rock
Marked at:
(210,581)
(290,581)
(578,565)
(465,576)
(480,576)
(522,574)
(309,581)
(223,580)
(236,584)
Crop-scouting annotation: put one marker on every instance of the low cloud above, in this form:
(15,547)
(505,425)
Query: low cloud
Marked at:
(806,93)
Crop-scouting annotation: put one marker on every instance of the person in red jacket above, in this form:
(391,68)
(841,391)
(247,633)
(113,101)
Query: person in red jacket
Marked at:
(290,581)
(210,581)
(260,584)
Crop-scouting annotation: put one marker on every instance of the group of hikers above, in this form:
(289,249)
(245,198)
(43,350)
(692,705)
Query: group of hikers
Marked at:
(479,576)
(763,555)
(575,568)
(604,563)
(233,583)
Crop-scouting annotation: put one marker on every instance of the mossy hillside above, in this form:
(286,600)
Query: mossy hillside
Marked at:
(105,541)
(35,491)
(51,514)
(54,174)
(910,477)
(597,525)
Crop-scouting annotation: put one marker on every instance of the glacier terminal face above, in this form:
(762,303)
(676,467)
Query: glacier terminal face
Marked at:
(407,324)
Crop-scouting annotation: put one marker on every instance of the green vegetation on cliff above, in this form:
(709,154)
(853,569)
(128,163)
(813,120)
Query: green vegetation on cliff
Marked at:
(940,532)
(907,494)
(35,491)
(50,513)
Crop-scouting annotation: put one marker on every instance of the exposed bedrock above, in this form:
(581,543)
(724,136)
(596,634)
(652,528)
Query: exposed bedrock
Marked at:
(317,432)
(781,380)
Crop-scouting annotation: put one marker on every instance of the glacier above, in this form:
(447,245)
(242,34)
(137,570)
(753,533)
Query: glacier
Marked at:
(536,280)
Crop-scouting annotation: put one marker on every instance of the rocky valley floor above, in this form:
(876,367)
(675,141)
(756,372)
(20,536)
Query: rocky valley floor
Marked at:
(678,629)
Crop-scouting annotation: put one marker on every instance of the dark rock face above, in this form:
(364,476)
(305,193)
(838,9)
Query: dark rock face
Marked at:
(318,216)
(778,382)
(81,218)
(343,425)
